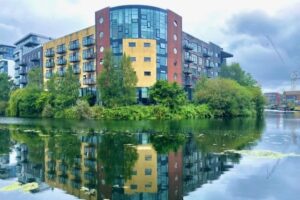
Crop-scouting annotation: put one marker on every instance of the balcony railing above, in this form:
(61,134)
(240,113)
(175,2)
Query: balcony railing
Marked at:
(187,70)
(22,63)
(89,67)
(17,74)
(23,80)
(49,75)
(74,58)
(61,72)
(208,66)
(49,53)
(188,59)
(50,64)
(61,50)
(88,55)
(89,81)
(188,46)
(61,61)
(34,59)
(76,69)
(22,71)
(74,46)
(205,55)
(88,41)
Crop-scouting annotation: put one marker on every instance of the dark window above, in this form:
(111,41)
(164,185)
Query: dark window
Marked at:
(147,73)
(132,59)
(147,59)
(131,44)
(133,186)
(147,44)
(148,172)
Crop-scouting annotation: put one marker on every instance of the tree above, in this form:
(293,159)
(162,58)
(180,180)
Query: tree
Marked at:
(117,81)
(5,87)
(64,90)
(35,78)
(168,94)
(129,81)
(235,72)
(226,98)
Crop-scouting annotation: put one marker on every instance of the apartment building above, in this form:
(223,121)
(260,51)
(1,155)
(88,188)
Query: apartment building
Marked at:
(6,59)
(75,50)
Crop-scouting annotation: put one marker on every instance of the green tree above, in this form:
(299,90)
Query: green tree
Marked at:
(35,78)
(5,87)
(117,81)
(129,81)
(226,98)
(167,94)
(235,72)
(64,90)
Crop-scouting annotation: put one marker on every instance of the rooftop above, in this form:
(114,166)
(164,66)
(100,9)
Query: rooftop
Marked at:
(29,35)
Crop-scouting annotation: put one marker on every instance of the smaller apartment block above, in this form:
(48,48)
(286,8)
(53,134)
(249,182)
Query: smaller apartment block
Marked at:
(27,55)
(76,50)
(6,59)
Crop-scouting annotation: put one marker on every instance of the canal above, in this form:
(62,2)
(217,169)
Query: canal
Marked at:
(239,159)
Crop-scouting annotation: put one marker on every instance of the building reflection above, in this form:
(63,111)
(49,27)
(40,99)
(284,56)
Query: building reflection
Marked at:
(120,166)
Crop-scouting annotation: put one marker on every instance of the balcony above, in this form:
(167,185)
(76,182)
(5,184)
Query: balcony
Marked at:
(74,58)
(188,46)
(61,61)
(188,82)
(49,74)
(23,80)
(31,42)
(74,46)
(89,81)
(188,59)
(208,66)
(89,67)
(76,69)
(34,59)
(22,63)
(187,70)
(50,64)
(88,41)
(88,55)
(61,50)
(61,72)
(49,53)
(205,55)
(22,71)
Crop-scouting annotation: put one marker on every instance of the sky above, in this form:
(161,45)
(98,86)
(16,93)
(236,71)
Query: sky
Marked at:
(263,35)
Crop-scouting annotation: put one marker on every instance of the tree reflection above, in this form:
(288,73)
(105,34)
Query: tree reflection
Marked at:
(118,155)
(165,142)
(5,143)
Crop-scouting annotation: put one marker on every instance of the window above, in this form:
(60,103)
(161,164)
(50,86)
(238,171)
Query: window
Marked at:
(147,44)
(175,76)
(101,49)
(101,61)
(131,44)
(148,172)
(148,185)
(147,59)
(134,172)
(133,186)
(175,51)
(147,73)
(101,20)
(101,34)
(175,23)
(148,157)
(175,37)
(132,59)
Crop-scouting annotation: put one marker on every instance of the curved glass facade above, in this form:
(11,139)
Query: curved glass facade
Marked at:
(140,22)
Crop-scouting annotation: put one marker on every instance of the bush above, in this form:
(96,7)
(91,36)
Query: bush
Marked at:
(48,111)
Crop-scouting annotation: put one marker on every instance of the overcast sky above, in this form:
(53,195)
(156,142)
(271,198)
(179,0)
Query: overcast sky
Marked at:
(263,35)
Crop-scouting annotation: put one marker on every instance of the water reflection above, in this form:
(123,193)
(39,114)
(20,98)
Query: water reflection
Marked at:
(126,165)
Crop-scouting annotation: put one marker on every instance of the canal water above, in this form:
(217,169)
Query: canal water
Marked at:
(240,159)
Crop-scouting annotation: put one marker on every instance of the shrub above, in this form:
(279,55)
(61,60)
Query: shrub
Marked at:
(48,111)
